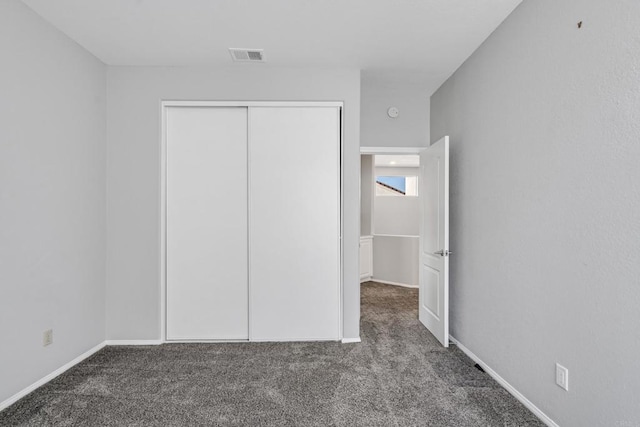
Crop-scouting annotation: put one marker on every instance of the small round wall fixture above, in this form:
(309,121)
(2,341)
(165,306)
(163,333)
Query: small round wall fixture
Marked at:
(393,112)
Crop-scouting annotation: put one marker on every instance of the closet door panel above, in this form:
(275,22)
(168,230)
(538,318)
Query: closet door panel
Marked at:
(294,165)
(207,283)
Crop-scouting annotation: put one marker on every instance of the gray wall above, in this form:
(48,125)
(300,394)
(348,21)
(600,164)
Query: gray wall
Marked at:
(409,92)
(545,201)
(366,195)
(52,198)
(133,175)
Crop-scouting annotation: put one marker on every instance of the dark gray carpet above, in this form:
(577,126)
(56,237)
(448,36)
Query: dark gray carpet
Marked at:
(398,376)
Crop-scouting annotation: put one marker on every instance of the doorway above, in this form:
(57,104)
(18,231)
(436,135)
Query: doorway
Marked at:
(390,217)
(429,253)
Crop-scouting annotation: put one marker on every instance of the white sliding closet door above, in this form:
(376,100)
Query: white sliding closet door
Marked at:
(207,283)
(294,168)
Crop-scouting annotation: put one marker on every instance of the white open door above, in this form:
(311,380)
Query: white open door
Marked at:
(434,239)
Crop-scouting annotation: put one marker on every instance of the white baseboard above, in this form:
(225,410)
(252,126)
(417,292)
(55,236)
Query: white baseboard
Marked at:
(22,393)
(366,279)
(350,340)
(386,282)
(203,341)
(134,342)
(515,393)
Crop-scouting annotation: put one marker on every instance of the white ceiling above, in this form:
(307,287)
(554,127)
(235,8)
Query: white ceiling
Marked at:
(397,160)
(434,36)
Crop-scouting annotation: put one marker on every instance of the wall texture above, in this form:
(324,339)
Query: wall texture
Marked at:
(133,175)
(545,195)
(409,92)
(52,198)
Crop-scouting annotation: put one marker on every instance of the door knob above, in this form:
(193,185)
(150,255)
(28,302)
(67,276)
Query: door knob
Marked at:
(443,252)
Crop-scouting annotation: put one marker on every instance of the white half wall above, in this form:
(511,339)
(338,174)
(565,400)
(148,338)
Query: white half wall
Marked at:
(133,174)
(395,259)
(52,198)
(545,202)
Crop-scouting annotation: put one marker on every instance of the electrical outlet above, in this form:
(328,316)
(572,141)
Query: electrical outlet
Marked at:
(47,337)
(562,376)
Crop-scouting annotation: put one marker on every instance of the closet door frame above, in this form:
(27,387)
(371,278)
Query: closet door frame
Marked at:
(164,105)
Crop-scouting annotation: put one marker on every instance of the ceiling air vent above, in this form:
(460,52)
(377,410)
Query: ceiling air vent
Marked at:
(247,55)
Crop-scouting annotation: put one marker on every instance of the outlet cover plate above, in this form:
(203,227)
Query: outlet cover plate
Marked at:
(562,376)
(47,337)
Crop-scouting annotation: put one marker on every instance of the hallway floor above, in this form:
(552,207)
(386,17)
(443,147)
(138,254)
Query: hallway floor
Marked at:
(398,376)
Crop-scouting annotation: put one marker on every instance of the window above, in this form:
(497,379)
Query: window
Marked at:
(396,185)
